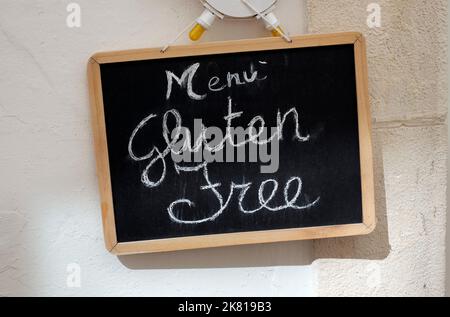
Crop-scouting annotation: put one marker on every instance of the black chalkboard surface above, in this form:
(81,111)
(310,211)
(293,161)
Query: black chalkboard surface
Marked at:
(233,143)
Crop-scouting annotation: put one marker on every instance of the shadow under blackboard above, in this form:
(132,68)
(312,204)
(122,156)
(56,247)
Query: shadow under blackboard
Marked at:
(371,247)
(292,253)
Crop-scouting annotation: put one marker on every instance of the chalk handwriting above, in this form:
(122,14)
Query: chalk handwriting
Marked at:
(175,145)
(155,155)
(186,81)
(243,188)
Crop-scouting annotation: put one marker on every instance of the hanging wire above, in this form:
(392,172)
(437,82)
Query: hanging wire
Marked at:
(166,47)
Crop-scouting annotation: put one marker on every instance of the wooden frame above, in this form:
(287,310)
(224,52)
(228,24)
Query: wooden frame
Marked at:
(218,240)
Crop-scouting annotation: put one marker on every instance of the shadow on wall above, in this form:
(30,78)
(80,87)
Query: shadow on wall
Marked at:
(371,247)
(292,253)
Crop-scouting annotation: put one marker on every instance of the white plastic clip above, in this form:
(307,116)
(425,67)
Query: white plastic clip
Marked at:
(268,21)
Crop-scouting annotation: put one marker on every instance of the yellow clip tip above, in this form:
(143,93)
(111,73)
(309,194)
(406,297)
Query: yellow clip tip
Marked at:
(197,32)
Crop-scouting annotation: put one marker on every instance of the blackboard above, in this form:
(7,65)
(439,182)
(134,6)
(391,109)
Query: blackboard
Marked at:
(184,160)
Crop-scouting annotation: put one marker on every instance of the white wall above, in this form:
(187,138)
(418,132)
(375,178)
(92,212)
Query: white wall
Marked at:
(447,241)
(49,204)
(408,80)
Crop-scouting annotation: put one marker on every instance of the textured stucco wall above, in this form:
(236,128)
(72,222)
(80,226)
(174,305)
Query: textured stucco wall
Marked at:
(447,243)
(408,88)
(49,204)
